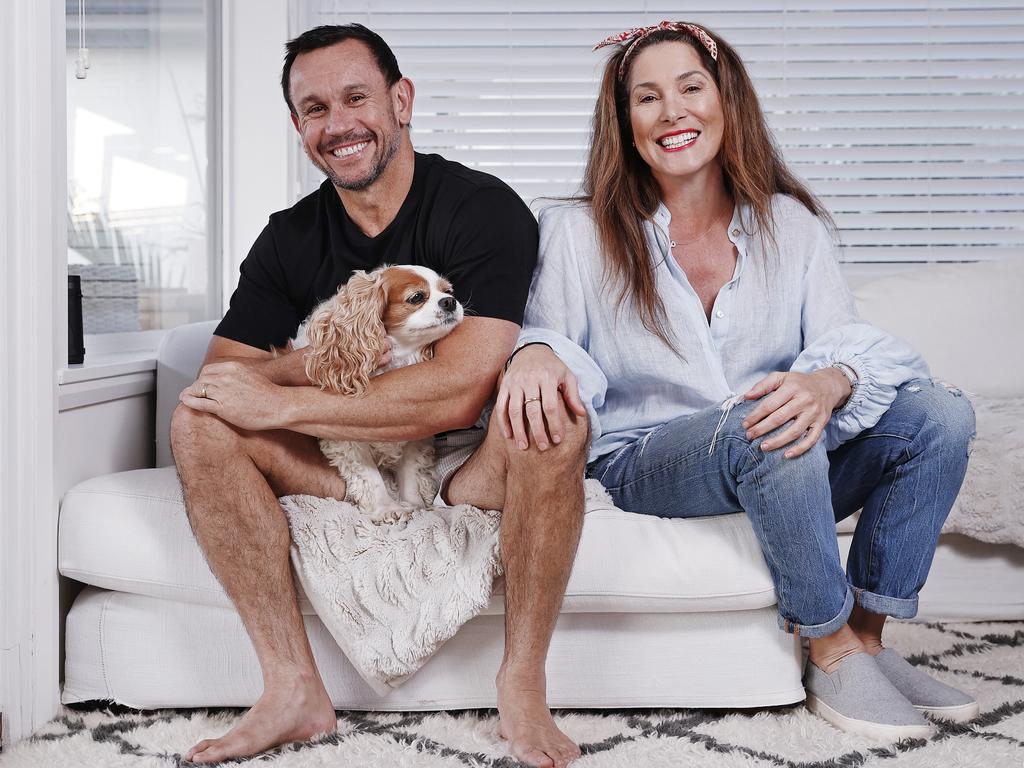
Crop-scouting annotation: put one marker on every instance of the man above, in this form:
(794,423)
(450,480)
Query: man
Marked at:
(246,430)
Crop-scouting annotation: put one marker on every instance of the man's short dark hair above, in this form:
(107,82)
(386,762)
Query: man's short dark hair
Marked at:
(332,34)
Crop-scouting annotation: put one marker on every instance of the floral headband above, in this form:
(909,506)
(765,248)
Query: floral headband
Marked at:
(635,35)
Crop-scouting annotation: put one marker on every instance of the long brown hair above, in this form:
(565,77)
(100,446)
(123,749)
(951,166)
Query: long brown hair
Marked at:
(623,193)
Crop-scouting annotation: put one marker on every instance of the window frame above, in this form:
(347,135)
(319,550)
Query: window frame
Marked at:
(215,301)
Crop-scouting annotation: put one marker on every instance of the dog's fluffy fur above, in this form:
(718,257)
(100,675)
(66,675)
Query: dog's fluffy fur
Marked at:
(412,307)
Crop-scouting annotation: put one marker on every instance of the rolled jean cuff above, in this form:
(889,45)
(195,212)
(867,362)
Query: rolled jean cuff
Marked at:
(819,630)
(896,607)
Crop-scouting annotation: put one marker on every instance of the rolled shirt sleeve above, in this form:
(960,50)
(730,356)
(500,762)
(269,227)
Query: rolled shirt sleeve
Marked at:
(833,333)
(556,311)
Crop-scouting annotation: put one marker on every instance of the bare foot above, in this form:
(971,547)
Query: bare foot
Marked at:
(526,723)
(293,711)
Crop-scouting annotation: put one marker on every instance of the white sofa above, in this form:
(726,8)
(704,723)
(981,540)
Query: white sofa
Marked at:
(675,613)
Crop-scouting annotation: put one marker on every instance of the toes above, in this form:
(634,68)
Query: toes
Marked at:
(565,755)
(536,758)
(197,749)
(208,755)
(213,752)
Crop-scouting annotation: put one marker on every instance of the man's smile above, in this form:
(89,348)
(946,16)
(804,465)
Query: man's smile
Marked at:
(350,149)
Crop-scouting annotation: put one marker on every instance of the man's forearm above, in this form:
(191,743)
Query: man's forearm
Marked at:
(286,370)
(407,404)
(251,389)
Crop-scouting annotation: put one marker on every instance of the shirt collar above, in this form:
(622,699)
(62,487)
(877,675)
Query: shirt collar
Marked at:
(737,234)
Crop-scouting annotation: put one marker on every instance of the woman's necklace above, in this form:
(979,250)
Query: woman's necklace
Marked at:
(673,243)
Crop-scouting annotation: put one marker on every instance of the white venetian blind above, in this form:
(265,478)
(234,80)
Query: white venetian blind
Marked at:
(905,116)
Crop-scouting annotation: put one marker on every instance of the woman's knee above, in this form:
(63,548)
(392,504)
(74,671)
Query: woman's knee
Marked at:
(955,412)
(813,461)
(937,413)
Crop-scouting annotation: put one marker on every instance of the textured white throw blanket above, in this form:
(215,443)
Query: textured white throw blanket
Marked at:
(391,594)
(991,503)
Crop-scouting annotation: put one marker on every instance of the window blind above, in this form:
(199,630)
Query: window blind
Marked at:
(905,116)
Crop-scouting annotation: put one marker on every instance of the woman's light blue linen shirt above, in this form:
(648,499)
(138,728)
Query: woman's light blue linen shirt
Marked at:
(785,309)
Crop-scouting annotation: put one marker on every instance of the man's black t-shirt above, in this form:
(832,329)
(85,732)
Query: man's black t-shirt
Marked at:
(466,225)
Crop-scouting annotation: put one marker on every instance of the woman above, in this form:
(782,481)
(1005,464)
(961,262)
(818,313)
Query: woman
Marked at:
(727,369)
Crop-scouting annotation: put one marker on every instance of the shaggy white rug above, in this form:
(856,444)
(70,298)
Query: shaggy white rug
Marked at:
(985,659)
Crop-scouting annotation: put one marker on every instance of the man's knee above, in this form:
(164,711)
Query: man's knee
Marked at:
(576,438)
(569,454)
(194,431)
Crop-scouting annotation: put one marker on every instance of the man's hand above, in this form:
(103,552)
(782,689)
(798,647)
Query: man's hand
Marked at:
(806,399)
(534,386)
(238,393)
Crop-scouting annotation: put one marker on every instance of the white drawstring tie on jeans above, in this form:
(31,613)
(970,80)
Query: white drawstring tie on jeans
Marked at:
(726,408)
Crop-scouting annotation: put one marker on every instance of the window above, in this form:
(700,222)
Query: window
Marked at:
(905,116)
(140,203)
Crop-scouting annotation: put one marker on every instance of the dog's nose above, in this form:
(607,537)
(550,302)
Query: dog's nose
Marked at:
(448,304)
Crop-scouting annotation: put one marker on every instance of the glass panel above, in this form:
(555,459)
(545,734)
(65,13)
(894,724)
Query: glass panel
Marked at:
(137,163)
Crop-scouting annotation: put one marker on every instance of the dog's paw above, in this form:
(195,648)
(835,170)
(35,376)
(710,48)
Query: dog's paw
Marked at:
(394,512)
(407,510)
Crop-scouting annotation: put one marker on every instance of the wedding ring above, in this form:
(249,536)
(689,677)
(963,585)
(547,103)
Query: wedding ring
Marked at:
(530,400)
(203,393)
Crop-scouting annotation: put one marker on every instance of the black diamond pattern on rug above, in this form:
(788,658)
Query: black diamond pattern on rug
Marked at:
(985,659)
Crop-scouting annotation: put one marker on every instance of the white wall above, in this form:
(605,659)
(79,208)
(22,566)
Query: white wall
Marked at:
(33,250)
(258,134)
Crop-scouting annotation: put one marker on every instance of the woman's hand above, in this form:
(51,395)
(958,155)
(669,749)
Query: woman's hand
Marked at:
(806,399)
(529,401)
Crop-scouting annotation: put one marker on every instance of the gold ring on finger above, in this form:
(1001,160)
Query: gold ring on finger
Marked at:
(530,400)
(203,393)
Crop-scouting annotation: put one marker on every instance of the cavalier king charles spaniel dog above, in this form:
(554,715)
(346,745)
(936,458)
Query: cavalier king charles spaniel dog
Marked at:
(411,307)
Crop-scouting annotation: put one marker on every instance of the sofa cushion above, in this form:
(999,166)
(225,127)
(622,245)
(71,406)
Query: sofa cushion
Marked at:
(128,532)
(963,318)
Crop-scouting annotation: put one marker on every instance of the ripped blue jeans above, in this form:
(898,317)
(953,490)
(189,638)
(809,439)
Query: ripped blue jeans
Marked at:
(904,473)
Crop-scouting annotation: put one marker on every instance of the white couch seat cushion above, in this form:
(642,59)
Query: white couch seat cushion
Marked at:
(128,532)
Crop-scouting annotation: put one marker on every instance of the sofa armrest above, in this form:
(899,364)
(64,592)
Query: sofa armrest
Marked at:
(177,362)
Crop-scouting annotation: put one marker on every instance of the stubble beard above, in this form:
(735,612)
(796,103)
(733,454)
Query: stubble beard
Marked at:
(384,155)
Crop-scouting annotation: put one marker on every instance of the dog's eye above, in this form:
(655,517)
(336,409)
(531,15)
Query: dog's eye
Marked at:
(417,298)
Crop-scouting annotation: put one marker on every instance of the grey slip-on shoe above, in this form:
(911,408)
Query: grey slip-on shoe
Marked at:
(858,698)
(927,694)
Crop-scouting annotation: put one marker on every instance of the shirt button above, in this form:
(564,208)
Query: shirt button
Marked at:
(719,313)
(735,233)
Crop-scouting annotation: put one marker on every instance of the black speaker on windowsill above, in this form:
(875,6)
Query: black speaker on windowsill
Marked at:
(76,340)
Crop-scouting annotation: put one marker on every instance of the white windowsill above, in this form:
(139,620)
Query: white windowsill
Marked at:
(106,377)
(109,365)
(114,354)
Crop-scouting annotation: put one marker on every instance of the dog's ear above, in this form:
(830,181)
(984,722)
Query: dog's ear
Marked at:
(346,335)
